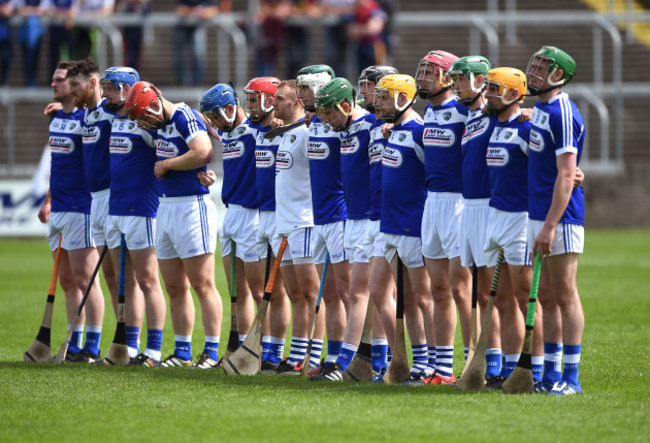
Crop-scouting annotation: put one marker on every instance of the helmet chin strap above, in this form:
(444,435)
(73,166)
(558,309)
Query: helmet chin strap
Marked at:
(534,91)
(426,95)
(470,101)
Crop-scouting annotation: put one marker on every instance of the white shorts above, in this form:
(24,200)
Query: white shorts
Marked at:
(358,246)
(75,228)
(266,234)
(139,232)
(329,238)
(408,248)
(240,225)
(473,227)
(507,230)
(186,227)
(441,225)
(99,214)
(299,247)
(569,238)
(376,239)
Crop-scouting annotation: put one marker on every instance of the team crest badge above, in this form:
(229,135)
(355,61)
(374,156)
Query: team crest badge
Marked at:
(543,119)
(292,139)
(508,135)
(131,125)
(169,130)
(446,116)
(96,115)
(402,137)
(72,126)
(241,131)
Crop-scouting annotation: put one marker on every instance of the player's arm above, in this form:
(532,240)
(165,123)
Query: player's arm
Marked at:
(579,178)
(52,108)
(199,154)
(46,207)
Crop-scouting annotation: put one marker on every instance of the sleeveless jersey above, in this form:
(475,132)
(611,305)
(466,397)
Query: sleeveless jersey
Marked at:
(96,133)
(375,150)
(475,175)
(265,153)
(239,166)
(355,167)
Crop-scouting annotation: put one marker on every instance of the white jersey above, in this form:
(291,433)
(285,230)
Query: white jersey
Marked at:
(293,207)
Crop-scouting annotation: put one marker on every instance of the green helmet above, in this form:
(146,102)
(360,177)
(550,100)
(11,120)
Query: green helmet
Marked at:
(472,64)
(334,92)
(557,59)
(313,77)
(468,68)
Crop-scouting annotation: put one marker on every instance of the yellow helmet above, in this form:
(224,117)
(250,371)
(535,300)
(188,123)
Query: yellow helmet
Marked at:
(397,84)
(507,79)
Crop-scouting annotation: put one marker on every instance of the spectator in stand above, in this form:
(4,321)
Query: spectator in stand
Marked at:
(388,34)
(85,37)
(366,28)
(62,13)
(30,35)
(133,35)
(6,52)
(336,37)
(273,38)
(298,34)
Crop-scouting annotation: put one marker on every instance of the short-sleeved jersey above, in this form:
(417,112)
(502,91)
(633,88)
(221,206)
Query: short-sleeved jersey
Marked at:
(292,183)
(134,187)
(265,153)
(475,175)
(443,133)
(355,167)
(324,150)
(557,128)
(239,166)
(97,125)
(507,160)
(403,187)
(172,141)
(375,150)
(67,183)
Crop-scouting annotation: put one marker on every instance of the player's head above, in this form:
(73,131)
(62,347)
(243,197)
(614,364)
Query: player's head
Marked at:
(468,77)
(259,96)
(549,68)
(115,83)
(335,103)
(145,106)
(219,107)
(505,87)
(286,102)
(431,77)
(395,94)
(83,78)
(368,80)
(60,87)
(308,81)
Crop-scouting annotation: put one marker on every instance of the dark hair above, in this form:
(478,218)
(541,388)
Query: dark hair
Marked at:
(86,67)
(66,65)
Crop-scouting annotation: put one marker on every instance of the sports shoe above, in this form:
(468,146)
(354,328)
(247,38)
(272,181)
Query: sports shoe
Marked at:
(287,368)
(542,387)
(379,376)
(145,361)
(319,369)
(564,388)
(172,362)
(83,356)
(495,382)
(416,379)
(439,379)
(268,367)
(331,372)
(204,361)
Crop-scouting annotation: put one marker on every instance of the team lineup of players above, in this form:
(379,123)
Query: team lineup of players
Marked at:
(355,178)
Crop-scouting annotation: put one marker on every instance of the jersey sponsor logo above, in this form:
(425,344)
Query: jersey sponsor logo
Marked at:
(119,145)
(374,152)
(318,150)
(264,158)
(536,142)
(61,145)
(476,129)
(283,160)
(438,138)
(91,135)
(233,150)
(391,157)
(497,156)
(166,149)
(349,145)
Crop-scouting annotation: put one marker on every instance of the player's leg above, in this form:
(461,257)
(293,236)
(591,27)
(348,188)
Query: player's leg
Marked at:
(493,351)
(133,303)
(381,286)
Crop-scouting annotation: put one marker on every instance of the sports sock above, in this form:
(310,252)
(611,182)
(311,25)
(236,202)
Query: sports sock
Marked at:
(333,350)
(378,351)
(537,364)
(154,343)
(492,362)
(212,346)
(571,364)
(552,363)
(132,340)
(298,350)
(76,339)
(266,347)
(445,360)
(420,357)
(431,351)
(242,337)
(93,335)
(346,355)
(466,352)
(511,364)
(183,347)
(316,351)
(277,347)
(389,356)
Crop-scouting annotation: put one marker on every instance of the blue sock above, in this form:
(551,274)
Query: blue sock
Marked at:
(378,351)
(511,364)
(445,360)
(76,339)
(277,350)
(242,337)
(316,351)
(93,335)
(465,352)
(154,343)
(333,349)
(132,340)
(389,356)
(431,351)
(537,365)
(420,357)
(346,355)
(298,350)
(492,362)
(183,347)
(552,363)
(212,346)
(571,364)
(266,347)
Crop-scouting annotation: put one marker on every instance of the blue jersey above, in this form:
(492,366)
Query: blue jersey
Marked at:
(443,133)
(239,166)
(97,125)
(172,141)
(355,167)
(265,153)
(557,128)
(507,160)
(134,187)
(67,185)
(324,151)
(475,175)
(402,181)
(376,148)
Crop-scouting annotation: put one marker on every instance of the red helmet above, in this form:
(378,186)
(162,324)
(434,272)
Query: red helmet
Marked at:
(144,100)
(263,88)
(438,62)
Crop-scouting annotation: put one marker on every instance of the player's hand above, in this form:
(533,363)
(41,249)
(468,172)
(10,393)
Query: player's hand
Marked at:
(52,108)
(579,178)
(385,130)
(275,122)
(543,242)
(160,169)
(526,115)
(207,178)
(44,212)
(309,116)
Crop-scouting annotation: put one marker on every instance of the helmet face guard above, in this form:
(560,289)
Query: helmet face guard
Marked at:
(144,105)
(259,97)
(369,77)
(499,82)
(543,66)
(312,82)
(389,90)
(432,72)
(214,104)
(335,116)
(118,76)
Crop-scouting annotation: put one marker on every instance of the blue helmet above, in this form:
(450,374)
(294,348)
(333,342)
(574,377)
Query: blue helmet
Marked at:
(215,100)
(120,76)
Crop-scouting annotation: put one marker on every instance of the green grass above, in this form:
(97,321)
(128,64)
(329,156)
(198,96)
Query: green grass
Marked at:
(83,403)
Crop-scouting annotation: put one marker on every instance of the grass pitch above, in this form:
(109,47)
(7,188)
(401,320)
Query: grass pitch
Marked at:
(83,403)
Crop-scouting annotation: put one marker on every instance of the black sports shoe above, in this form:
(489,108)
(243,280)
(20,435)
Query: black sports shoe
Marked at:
(145,361)
(268,367)
(83,356)
(494,382)
(286,368)
(331,372)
